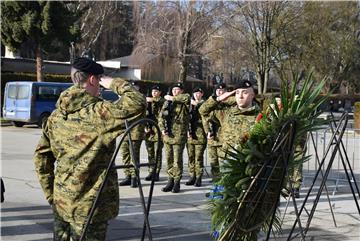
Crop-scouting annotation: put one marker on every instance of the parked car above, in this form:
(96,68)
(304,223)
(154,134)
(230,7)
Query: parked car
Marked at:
(28,102)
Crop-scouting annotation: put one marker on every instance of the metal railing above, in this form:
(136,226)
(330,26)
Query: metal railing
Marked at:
(351,141)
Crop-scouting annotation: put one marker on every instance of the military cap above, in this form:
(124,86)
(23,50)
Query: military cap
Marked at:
(88,66)
(220,86)
(243,84)
(198,89)
(179,85)
(134,83)
(155,87)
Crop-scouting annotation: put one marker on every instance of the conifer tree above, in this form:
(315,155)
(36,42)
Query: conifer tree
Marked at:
(43,24)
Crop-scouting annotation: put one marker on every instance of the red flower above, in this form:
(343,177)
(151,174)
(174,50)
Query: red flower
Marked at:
(258,118)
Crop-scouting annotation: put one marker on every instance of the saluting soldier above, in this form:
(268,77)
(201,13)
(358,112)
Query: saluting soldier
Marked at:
(211,117)
(196,142)
(155,103)
(137,136)
(238,118)
(76,146)
(173,124)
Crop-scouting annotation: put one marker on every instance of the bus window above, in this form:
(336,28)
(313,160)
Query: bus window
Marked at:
(18,91)
(12,92)
(47,93)
(23,91)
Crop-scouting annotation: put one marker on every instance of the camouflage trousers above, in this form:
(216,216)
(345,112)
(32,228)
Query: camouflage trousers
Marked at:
(296,176)
(196,159)
(174,160)
(215,154)
(126,157)
(65,231)
(152,147)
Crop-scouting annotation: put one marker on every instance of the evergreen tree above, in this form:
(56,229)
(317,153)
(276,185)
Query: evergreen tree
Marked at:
(43,24)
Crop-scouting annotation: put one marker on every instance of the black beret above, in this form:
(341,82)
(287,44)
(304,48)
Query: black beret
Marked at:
(179,85)
(220,86)
(198,89)
(88,66)
(243,84)
(155,87)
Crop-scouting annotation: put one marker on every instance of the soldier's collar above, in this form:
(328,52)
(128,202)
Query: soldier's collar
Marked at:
(247,109)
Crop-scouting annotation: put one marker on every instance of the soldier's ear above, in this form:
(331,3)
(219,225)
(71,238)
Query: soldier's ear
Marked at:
(93,80)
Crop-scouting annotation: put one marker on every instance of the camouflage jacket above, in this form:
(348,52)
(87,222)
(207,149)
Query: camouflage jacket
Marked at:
(179,120)
(79,139)
(234,122)
(137,132)
(199,129)
(156,106)
(213,111)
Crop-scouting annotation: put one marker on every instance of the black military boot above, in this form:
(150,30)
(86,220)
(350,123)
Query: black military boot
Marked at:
(176,187)
(157,177)
(169,186)
(198,182)
(134,182)
(296,192)
(126,181)
(148,177)
(191,181)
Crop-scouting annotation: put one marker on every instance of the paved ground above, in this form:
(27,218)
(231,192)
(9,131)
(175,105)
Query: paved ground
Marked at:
(25,214)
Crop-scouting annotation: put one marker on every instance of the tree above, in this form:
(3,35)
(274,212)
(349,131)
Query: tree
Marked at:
(325,36)
(177,30)
(333,49)
(260,26)
(41,23)
(284,38)
(106,28)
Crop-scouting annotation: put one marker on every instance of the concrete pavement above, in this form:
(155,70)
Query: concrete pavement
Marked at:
(25,215)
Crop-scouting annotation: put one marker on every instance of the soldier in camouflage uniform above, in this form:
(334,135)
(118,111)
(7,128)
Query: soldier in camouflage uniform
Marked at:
(212,129)
(155,103)
(137,135)
(196,142)
(236,119)
(295,174)
(174,127)
(79,140)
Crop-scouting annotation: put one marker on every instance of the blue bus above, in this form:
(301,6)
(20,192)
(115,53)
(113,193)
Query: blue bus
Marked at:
(32,102)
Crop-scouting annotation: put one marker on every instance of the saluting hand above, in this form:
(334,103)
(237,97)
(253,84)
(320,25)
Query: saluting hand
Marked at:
(225,95)
(194,102)
(169,97)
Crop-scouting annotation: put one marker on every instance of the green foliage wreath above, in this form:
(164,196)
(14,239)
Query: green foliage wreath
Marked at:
(254,172)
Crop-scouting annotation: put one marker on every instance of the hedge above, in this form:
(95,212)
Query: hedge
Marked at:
(357,117)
